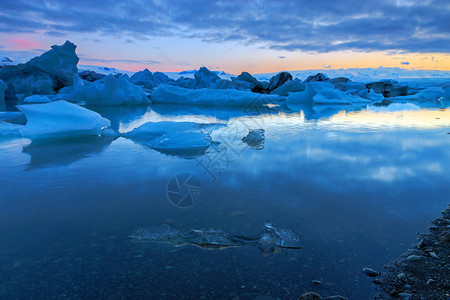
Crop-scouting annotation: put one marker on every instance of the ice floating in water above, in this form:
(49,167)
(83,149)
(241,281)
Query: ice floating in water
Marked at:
(177,138)
(61,119)
(255,139)
(270,239)
(323,93)
(430,93)
(107,91)
(212,97)
(36,99)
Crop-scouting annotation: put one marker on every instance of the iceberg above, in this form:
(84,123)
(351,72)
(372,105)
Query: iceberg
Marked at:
(148,80)
(204,78)
(175,138)
(333,96)
(3,88)
(61,119)
(323,93)
(430,93)
(211,97)
(269,240)
(107,91)
(43,75)
(289,87)
(36,99)
(255,139)
(278,80)
(310,91)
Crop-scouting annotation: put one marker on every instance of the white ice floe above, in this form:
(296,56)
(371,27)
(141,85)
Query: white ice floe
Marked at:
(183,138)
(323,93)
(371,95)
(107,91)
(152,130)
(61,119)
(212,97)
(36,99)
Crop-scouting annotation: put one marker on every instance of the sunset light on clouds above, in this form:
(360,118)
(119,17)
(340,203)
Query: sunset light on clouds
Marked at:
(258,36)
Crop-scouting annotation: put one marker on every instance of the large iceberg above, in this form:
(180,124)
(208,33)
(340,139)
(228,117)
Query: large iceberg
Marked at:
(204,78)
(61,119)
(211,97)
(43,75)
(107,91)
(144,78)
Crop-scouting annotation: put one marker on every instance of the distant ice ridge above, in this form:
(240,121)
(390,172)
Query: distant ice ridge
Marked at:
(210,97)
(364,74)
(61,119)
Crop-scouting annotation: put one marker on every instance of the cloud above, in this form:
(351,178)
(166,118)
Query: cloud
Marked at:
(405,62)
(293,25)
(281,57)
(1,47)
(130,61)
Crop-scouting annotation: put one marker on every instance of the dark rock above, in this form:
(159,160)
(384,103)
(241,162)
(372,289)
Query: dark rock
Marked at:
(388,88)
(310,296)
(317,77)
(90,76)
(279,79)
(370,272)
(316,282)
(385,102)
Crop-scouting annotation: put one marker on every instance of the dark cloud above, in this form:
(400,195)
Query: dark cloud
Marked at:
(281,57)
(312,26)
(405,62)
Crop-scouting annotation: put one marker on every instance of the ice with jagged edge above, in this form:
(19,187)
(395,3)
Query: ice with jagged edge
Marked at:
(61,119)
(210,97)
(188,138)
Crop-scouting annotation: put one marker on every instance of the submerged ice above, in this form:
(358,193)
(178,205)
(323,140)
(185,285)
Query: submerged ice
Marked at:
(270,239)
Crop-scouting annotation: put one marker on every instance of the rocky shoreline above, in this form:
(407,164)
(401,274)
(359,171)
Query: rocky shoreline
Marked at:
(424,271)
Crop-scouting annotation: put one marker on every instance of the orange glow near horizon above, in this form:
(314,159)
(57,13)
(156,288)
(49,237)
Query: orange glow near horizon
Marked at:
(300,61)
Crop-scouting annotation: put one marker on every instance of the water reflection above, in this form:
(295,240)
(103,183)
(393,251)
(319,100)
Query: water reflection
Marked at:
(63,152)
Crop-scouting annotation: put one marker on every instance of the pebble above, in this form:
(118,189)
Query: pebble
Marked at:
(337,297)
(316,282)
(168,267)
(401,276)
(414,258)
(405,295)
(433,255)
(310,296)
(370,272)
(431,281)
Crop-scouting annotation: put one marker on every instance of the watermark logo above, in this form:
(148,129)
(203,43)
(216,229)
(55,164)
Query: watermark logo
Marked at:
(184,190)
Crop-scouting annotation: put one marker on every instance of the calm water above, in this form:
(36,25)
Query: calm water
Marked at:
(356,185)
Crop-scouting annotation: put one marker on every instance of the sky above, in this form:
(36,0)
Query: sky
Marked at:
(233,35)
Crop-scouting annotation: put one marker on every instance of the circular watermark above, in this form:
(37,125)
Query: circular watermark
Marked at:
(184,190)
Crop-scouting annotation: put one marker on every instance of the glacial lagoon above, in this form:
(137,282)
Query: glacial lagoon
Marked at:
(356,185)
